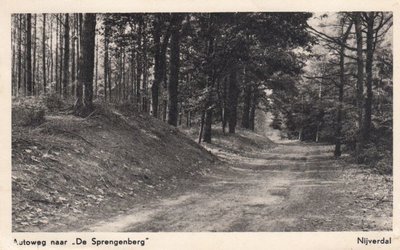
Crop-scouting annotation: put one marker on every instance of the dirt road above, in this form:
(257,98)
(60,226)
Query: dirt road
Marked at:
(292,187)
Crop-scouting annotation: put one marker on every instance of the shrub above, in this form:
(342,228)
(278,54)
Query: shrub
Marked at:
(28,112)
(52,102)
(377,157)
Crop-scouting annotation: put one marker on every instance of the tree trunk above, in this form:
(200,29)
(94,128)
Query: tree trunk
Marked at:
(368,71)
(157,70)
(208,125)
(105,66)
(51,50)
(139,66)
(44,54)
(174,71)
(339,114)
(56,54)
(208,109)
(232,101)
(253,108)
(13,43)
(61,68)
(201,126)
(79,35)
(28,55)
(86,65)
(34,90)
(19,55)
(97,68)
(73,61)
(145,69)
(360,89)
(225,108)
(66,56)
(246,104)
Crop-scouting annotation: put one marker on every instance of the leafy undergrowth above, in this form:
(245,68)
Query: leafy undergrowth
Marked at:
(69,171)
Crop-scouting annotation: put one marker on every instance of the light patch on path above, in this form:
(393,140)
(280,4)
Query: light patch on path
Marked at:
(135,216)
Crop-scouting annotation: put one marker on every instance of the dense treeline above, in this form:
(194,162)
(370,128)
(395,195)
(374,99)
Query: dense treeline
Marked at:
(345,95)
(171,65)
(325,84)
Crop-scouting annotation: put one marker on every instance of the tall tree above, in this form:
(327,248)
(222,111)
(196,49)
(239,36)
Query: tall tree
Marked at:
(247,101)
(56,63)
(19,71)
(176,23)
(13,39)
(232,101)
(44,54)
(61,54)
(253,108)
(139,61)
(84,102)
(34,90)
(66,55)
(360,83)
(157,69)
(28,55)
(97,68)
(105,61)
(51,50)
(377,25)
(342,82)
(73,57)
(209,78)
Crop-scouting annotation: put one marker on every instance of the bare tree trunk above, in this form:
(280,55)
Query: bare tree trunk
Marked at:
(13,39)
(86,65)
(44,54)
(28,55)
(246,102)
(232,101)
(339,114)
(174,71)
(201,126)
(79,35)
(368,71)
(139,66)
(253,108)
(97,69)
(157,69)
(133,77)
(145,70)
(66,56)
(105,66)
(61,68)
(73,60)
(225,109)
(56,55)
(51,50)
(34,90)
(19,54)
(208,109)
(120,75)
(360,89)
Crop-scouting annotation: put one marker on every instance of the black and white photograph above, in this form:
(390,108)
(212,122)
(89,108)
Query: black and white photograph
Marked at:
(201,122)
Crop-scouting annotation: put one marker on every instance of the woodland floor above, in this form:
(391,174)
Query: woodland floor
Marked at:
(66,179)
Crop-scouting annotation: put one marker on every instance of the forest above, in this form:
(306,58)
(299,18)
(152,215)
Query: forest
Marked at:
(260,121)
(328,80)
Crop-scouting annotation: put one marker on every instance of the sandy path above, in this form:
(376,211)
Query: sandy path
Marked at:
(293,187)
